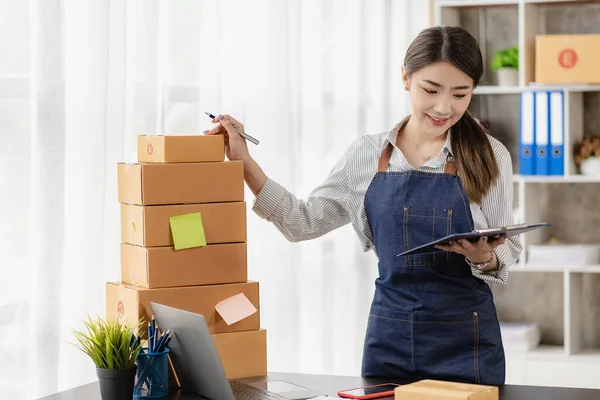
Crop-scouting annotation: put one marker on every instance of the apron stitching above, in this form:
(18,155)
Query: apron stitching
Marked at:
(476,355)
(391,319)
(449,231)
(412,344)
(418,322)
(425,263)
(433,233)
(408,258)
(428,216)
(443,322)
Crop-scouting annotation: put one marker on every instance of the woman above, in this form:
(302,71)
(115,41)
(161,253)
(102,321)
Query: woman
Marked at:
(436,172)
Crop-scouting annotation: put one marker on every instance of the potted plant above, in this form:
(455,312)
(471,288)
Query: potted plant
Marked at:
(505,64)
(113,347)
(587,155)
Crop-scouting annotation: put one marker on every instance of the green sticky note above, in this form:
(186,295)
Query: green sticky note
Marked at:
(187,231)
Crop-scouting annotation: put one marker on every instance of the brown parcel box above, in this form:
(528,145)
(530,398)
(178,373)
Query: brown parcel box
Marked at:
(243,354)
(159,184)
(160,267)
(180,148)
(567,58)
(130,303)
(149,226)
(428,389)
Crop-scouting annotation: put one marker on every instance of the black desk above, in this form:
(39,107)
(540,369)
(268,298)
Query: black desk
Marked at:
(328,384)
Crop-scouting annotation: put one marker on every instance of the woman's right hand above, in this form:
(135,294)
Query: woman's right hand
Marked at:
(235,145)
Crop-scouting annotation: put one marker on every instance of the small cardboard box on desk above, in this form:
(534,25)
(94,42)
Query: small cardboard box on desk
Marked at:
(429,389)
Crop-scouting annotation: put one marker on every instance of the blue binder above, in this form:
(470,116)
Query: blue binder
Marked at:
(542,133)
(527,134)
(557,133)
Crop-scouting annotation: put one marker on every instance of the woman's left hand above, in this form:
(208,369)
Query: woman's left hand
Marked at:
(476,252)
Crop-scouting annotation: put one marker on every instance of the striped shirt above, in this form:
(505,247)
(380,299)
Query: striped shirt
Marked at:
(339,200)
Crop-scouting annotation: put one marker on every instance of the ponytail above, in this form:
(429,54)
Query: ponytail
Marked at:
(475,160)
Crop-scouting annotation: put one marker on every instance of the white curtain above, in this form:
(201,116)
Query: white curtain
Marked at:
(80,79)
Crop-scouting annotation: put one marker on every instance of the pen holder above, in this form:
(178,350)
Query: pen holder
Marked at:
(152,377)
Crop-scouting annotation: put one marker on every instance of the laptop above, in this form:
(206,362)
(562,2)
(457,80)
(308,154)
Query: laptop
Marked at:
(199,368)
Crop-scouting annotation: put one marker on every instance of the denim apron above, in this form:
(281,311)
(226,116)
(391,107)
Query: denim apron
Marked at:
(430,317)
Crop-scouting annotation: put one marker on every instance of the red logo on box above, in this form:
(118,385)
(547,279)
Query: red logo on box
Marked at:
(120,309)
(150,149)
(567,58)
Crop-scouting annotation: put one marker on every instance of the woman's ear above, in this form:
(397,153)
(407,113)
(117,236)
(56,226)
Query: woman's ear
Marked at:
(405,79)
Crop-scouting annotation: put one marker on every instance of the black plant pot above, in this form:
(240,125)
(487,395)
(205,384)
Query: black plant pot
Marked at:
(116,384)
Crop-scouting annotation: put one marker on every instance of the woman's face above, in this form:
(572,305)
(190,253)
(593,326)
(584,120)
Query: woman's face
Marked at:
(440,95)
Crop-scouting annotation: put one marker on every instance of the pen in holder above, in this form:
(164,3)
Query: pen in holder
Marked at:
(152,377)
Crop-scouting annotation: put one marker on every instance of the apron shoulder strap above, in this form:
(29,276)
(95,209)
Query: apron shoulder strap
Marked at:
(450,165)
(384,160)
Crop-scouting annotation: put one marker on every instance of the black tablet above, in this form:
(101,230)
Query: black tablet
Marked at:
(473,236)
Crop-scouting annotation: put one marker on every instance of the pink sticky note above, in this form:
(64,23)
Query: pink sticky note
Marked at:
(235,308)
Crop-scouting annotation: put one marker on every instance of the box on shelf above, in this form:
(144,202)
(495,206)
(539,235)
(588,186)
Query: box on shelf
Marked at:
(161,267)
(180,148)
(149,225)
(180,183)
(573,255)
(567,59)
(429,389)
(130,303)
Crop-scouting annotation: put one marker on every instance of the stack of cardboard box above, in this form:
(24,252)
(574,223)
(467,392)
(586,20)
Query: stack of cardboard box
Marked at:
(180,177)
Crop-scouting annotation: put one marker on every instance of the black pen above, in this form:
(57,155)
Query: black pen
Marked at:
(243,134)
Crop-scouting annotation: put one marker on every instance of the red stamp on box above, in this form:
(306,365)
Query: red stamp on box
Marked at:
(149,149)
(567,58)
(120,309)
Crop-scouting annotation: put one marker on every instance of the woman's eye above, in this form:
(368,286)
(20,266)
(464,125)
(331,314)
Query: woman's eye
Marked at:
(459,96)
(429,91)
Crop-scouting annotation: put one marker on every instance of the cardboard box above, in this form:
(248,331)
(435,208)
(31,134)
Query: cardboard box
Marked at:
(149,225)
(130,303)
(161,267)
(243,354)
(567,59)
(181,183)
(173,149)
(428,389)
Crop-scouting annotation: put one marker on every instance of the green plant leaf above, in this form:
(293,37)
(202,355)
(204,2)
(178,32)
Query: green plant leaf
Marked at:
(505,58)
(109,343)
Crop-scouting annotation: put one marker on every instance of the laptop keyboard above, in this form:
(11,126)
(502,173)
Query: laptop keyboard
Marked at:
(242,391)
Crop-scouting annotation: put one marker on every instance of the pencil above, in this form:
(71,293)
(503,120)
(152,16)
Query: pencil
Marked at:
(242,133)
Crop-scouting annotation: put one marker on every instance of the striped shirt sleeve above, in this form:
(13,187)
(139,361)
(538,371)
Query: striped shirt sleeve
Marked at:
(497,209)
(340,200)
(325,209)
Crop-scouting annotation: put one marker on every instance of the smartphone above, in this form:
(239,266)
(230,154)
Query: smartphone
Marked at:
(369,392)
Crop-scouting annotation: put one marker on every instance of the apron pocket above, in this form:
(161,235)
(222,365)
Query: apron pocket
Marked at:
(423,225)
(446,346)
(491,358)
(387,350)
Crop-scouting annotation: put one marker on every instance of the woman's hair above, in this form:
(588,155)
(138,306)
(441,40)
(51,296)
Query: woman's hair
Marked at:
(472,150)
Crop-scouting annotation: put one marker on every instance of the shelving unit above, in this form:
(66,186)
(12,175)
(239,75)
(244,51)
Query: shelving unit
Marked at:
(572,362)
